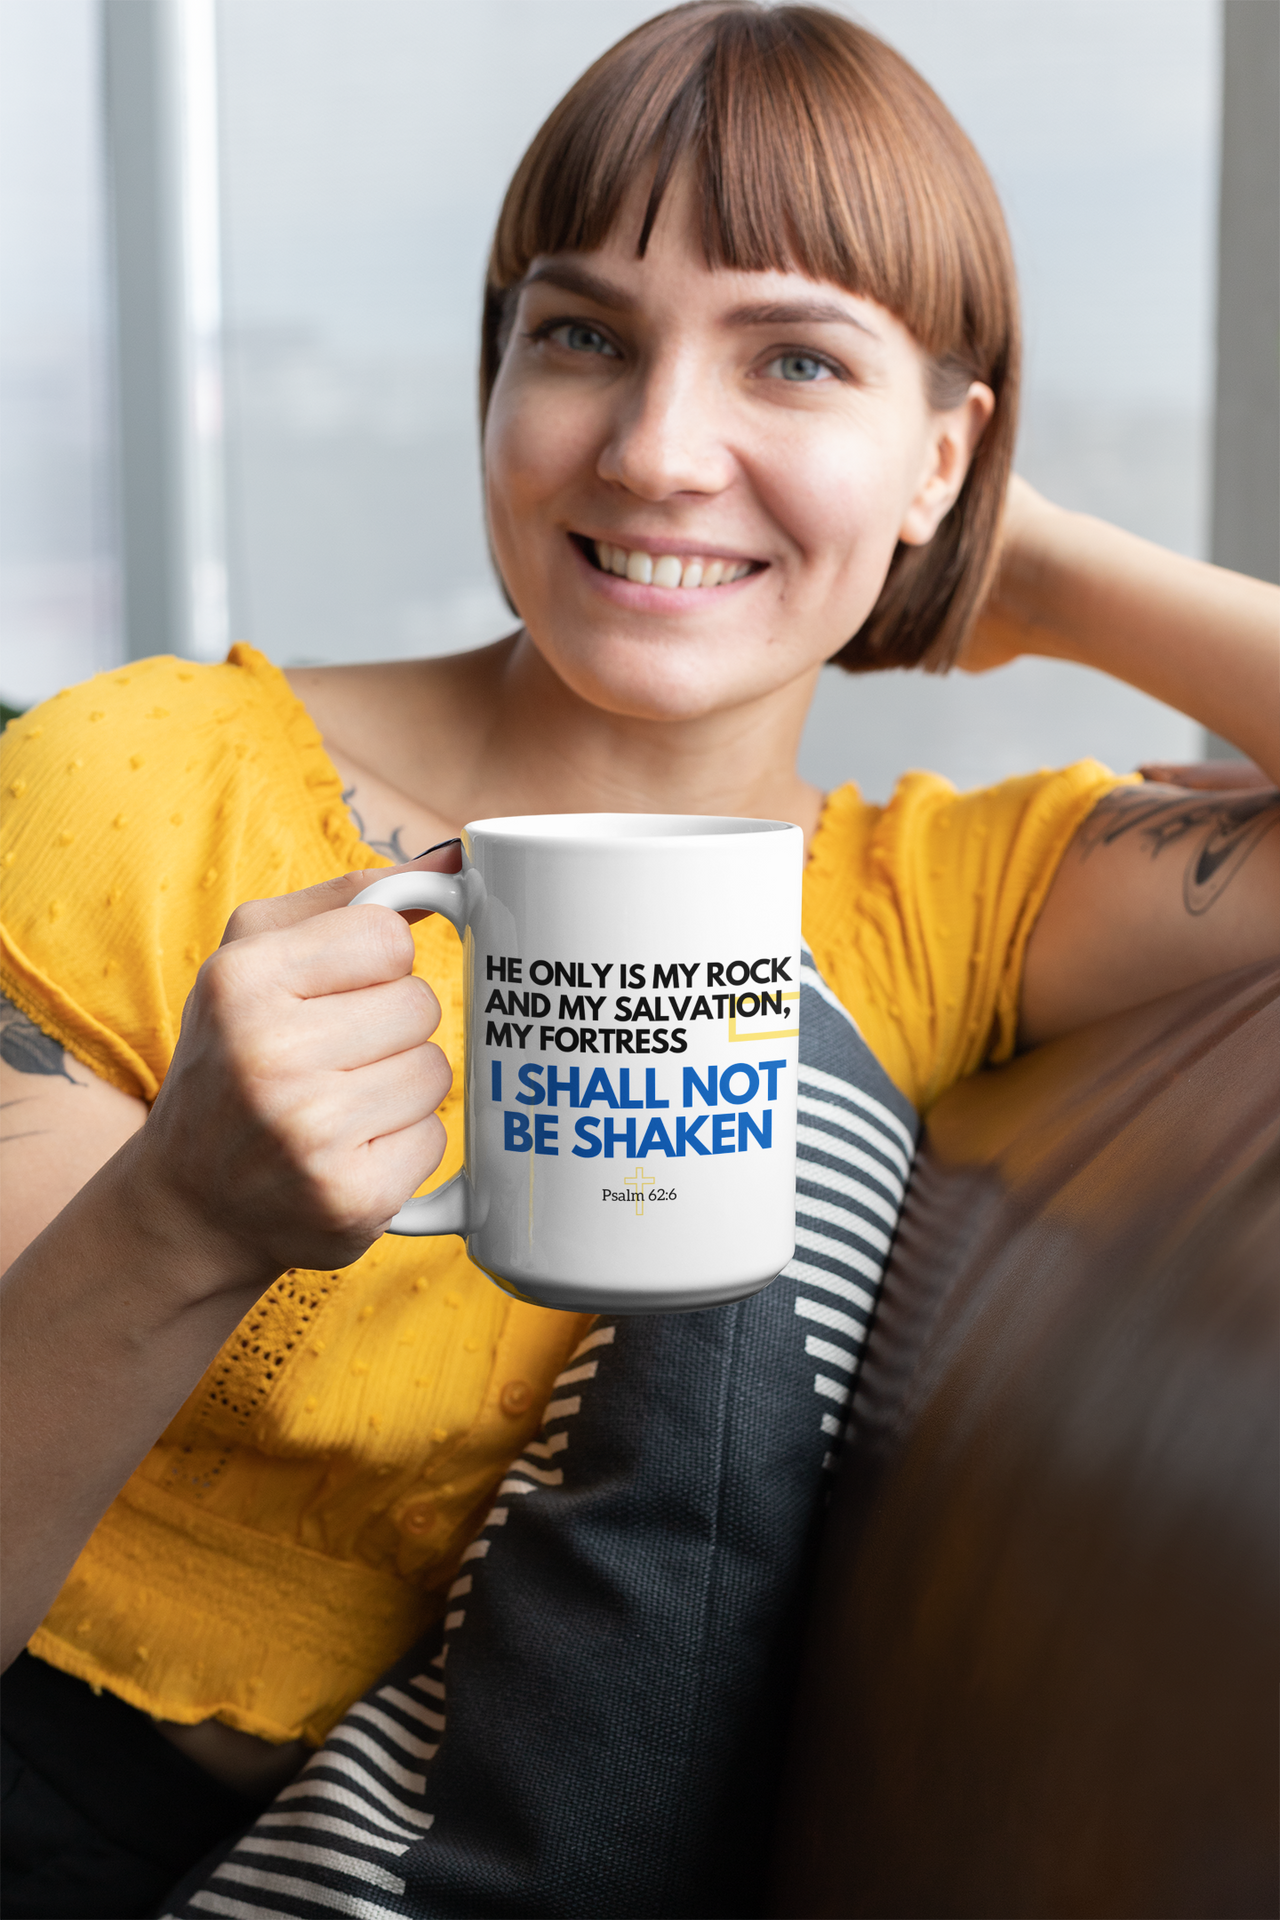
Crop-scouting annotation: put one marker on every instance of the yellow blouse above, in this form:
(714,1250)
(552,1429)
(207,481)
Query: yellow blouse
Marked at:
(299,1522)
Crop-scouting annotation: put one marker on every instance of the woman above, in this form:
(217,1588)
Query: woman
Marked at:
(749,370)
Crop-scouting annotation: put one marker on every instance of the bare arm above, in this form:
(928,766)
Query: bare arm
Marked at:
(58,1124)
(298,1113)
(1197,637)
(1161,886)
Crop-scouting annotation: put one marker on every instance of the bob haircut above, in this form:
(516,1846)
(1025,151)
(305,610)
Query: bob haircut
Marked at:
(813,147)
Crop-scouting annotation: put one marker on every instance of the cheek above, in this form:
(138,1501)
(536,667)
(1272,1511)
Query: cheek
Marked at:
(511,471)
(840,497)
(534,448)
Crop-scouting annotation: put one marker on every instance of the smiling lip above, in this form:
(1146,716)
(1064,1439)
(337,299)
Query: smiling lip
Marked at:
(657,564)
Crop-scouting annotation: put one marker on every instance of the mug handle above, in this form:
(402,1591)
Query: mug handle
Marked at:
(452,1207)
(430,892)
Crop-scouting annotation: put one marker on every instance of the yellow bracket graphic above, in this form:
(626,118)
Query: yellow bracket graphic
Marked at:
(770,1033)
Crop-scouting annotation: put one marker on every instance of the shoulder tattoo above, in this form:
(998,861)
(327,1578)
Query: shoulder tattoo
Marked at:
(25,1048)
(1218,830)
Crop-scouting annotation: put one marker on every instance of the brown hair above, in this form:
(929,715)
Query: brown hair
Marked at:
(815,148)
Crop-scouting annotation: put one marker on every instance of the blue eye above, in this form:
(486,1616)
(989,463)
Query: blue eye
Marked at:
(800,367)
(581,339)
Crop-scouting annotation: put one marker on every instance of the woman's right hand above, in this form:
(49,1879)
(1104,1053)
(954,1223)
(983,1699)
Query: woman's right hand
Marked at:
(299,1111)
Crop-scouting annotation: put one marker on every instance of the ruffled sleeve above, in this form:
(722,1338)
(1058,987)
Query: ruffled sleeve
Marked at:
(919,912)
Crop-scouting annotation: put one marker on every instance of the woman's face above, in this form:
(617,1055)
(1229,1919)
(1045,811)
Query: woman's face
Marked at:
(697,477)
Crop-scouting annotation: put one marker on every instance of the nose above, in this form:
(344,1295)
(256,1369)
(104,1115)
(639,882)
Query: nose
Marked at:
(669,435)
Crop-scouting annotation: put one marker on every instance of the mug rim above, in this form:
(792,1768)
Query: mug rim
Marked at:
(624,829)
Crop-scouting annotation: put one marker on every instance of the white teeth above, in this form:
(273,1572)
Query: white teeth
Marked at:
(668,570)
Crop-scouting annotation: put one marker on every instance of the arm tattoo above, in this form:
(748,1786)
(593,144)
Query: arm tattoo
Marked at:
(1223,830)
(391,848)
(25,1048)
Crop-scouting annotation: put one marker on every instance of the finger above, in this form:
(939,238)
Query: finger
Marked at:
(257,981)
(342,1113)
(367,1186)
(342,1031)
(399,1163)
(1209,776)
(290,909)
(389,1095)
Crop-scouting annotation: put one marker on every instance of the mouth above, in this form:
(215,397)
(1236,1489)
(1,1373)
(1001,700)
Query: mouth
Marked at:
(644,568)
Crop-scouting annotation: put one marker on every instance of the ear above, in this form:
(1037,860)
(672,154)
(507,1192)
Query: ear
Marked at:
(952,443)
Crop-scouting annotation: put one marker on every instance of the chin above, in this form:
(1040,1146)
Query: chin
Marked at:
(660,680)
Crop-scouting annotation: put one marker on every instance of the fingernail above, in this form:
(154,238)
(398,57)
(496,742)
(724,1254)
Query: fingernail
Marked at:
(455,842)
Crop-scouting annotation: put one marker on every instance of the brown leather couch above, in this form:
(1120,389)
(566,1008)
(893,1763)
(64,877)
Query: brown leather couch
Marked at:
(1040,1676)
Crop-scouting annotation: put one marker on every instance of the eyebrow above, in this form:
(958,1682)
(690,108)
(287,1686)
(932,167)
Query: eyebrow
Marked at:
(791,313)
(785,313)
(592,286)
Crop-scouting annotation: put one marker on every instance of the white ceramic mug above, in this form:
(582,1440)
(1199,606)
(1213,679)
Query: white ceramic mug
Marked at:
(632,992)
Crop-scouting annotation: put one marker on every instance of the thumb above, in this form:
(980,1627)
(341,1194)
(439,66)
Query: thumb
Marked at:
(289,909)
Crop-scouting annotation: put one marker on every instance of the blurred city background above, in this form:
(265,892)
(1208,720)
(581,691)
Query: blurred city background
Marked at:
(337,168)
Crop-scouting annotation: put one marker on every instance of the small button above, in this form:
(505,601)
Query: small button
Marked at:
(516,1397)
(417,1516)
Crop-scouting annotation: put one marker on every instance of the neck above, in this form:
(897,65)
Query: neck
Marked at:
(524,742)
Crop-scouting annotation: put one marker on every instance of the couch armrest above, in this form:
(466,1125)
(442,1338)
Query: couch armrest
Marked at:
(1040,1668)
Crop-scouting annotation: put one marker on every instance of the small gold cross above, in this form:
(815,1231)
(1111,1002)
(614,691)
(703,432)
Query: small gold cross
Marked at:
(639,1182)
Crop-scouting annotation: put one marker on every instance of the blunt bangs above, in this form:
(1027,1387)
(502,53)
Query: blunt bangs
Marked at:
(813,148)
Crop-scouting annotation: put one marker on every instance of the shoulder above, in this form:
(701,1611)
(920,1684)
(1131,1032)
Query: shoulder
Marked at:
(138,733)
(928,833)
(930,839)
(919,911)
(925,802)
(143,807)
(162,758)
(148,693)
